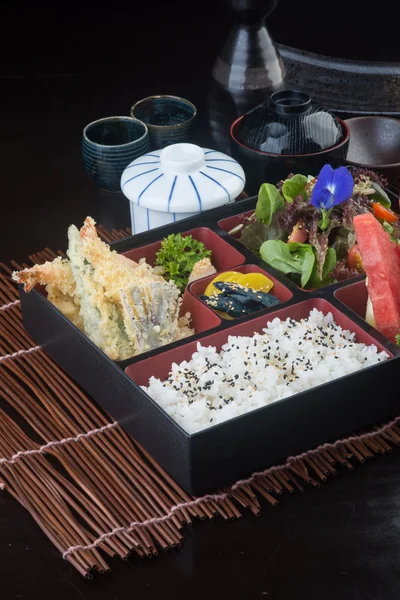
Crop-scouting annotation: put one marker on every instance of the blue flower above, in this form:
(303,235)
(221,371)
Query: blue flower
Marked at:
(333,187)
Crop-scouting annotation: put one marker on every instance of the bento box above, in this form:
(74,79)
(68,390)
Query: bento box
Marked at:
(222,453)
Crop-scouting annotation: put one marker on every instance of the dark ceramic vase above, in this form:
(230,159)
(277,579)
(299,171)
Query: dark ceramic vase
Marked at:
(247,70)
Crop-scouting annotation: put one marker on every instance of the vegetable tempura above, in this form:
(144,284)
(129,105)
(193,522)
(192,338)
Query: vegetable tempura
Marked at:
(124,307)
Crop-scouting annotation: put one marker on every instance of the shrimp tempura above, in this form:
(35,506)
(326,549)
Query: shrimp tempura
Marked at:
(60,286)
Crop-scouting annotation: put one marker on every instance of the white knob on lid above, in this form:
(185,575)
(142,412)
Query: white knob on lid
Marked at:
(182,158)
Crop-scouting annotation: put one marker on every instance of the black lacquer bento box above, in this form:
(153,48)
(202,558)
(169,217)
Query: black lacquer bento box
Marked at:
(223,453)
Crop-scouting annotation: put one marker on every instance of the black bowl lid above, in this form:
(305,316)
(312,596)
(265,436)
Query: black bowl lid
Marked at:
(289,123)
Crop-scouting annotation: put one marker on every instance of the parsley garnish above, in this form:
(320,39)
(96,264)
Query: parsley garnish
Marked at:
(178,255)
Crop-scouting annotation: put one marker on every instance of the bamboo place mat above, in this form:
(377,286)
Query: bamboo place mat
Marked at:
(93,490)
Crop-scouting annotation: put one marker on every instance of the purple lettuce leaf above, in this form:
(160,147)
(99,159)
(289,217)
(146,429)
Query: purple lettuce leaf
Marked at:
(342,272)
(349,211)
(357,205)
(360,173)
(293,211)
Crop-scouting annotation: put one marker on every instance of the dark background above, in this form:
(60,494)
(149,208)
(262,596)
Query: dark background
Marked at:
(63,65)
(90,36)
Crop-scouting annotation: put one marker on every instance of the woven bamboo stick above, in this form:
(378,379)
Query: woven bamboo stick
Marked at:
(28,343)
(113,481)
(176,538)
(111,473)
(80,497)
(54,511)
(64,433)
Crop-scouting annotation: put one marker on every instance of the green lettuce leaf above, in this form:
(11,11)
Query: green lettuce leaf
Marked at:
(277,254)
(289,258)
(269,203)
(330,263)
(388,227)
(391,231)
(380,195)
(295,186)
(324,222)
(299,259)
(305,253)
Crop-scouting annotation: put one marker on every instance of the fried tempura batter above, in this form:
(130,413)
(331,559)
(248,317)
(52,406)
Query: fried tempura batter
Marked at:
(125,308)
(60,286)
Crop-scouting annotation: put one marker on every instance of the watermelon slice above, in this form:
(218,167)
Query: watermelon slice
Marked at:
(381,262)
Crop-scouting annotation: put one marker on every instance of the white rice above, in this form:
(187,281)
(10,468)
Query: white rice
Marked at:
(249,372)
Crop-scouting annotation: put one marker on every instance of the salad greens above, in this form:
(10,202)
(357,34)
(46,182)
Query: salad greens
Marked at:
(299,259)
(303,226)
(284,257)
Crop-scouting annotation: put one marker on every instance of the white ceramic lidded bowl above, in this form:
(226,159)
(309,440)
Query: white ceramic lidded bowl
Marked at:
(180,181)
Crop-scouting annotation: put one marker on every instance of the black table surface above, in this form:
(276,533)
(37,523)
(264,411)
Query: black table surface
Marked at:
(339,542)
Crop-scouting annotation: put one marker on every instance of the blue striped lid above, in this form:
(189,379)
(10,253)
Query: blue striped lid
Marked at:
(183,178)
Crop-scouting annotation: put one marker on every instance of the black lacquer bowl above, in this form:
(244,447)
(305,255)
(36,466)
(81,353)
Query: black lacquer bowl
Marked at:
(288,134)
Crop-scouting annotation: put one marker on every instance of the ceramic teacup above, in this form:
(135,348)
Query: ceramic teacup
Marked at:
(169,119)
(109,145)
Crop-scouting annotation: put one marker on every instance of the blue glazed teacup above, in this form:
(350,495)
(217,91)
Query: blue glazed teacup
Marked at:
(169,119)
(109,145)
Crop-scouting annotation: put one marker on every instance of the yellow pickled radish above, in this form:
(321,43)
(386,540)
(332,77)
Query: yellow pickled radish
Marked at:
(255,281)
(226,276)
